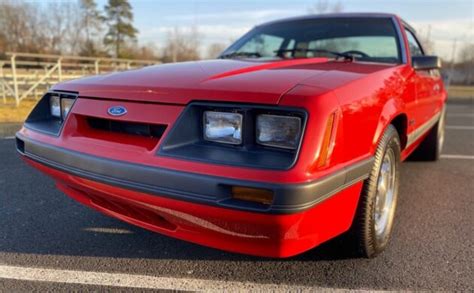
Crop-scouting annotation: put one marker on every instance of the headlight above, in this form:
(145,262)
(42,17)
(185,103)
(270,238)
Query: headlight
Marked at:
(223,127)
(59,107)
(55,106)
(278,131)
(66,105)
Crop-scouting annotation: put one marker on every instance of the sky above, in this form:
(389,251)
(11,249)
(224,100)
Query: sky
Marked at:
(220,21)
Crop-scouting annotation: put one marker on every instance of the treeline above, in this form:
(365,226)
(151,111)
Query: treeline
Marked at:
(82,28)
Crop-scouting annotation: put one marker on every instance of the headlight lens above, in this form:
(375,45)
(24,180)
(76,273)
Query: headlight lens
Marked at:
(66,105)
(55,106)
(223,127)
(278,131)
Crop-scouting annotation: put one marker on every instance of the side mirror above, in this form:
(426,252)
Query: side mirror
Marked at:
(426,62)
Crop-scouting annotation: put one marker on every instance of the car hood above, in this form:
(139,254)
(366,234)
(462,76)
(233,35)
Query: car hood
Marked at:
(223,80)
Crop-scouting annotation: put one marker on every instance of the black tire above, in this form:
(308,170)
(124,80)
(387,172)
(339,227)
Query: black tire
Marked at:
(363,235)
(431,147)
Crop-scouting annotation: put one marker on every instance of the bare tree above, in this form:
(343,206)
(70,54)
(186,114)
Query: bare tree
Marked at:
(181,46)
(466,62)
(466,54)
(148,52)
(52,28)
(424,35)
(19,23)
(135,51)
(61,23)
(215,49)
(324,6)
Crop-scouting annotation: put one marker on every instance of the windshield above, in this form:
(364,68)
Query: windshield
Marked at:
(366,39)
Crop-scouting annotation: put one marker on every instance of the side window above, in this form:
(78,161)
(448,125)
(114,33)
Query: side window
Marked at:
(414,46)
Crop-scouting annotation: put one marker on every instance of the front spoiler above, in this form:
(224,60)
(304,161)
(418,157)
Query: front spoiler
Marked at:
(192,187)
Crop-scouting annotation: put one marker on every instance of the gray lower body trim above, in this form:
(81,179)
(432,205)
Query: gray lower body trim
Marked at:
(198,188)
(420,131)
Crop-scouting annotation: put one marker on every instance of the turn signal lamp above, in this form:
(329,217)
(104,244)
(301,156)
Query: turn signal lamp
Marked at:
(257,195)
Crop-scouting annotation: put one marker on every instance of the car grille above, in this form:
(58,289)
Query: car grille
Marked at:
(125,127)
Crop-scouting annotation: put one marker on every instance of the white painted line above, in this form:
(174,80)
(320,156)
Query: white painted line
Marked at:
(459,127)
(142,281)
(460,157)
(9,137)
(108,230)
(468,115)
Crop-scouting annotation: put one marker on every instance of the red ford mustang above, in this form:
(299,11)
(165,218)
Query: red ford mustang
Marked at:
(292,137)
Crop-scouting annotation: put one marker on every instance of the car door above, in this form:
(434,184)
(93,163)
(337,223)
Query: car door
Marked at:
(428,85)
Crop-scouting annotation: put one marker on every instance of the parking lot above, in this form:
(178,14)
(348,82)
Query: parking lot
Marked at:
(50,242)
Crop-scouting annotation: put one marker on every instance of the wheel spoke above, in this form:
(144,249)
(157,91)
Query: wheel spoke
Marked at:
(384,201)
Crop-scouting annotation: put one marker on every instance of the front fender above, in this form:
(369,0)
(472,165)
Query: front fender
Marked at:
(392,109)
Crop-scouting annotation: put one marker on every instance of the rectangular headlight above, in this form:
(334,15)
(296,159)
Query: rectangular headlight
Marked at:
(55,106)
(66,105)
(278,131)
(223,127)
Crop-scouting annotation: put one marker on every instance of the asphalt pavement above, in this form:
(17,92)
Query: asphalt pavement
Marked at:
(46,236)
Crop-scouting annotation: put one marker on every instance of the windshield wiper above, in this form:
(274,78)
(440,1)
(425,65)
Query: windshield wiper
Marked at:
(348,57)
(240,54)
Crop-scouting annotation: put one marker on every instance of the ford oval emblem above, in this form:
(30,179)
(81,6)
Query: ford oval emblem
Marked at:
(117,111)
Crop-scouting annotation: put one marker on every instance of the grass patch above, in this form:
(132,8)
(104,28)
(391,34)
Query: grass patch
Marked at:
(10,113)
(458,91)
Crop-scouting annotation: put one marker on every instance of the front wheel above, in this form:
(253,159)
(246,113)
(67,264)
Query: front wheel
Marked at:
(372,226)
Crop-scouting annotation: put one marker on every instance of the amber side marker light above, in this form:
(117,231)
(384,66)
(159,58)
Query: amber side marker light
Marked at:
(257,195)
(329,140)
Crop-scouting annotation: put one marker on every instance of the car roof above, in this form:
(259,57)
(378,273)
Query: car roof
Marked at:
(338,15)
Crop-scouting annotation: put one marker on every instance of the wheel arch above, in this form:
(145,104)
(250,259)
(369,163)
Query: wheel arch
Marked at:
(400,122)
(392,114)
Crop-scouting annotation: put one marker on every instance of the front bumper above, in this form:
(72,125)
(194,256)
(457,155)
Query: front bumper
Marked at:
(192,187)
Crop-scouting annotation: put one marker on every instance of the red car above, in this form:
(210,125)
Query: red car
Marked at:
(293,136)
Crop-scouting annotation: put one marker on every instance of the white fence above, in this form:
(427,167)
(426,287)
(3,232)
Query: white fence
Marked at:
(24,76)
